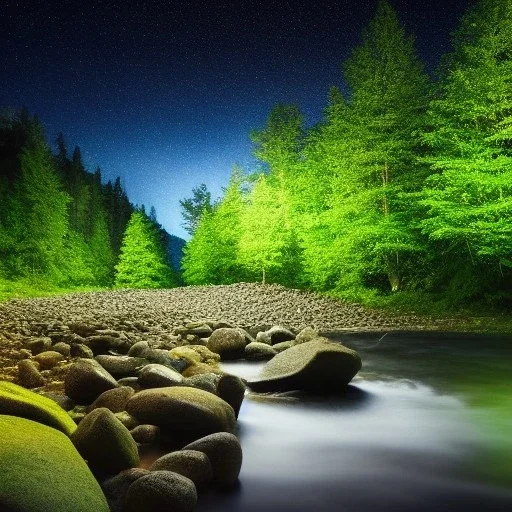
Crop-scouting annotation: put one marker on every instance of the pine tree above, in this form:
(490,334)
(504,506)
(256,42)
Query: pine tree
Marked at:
(193,208)
(469,196)
(142,262)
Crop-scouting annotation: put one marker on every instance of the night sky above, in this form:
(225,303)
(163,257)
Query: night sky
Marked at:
(165,93)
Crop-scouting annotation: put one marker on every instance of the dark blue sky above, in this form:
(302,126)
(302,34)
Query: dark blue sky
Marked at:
(165,93)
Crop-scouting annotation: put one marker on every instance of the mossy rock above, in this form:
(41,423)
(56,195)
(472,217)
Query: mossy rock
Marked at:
(18,401)
(43,472)
(183,410)
(317,365)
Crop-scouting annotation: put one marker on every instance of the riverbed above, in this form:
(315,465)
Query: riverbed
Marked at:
(425,426)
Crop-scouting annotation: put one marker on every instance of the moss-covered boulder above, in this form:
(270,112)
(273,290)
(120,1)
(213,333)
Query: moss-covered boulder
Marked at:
(105,442)
(228,343)
(18,401)
(113,399)
(225,454)
(183,410)
(317,365)
(161,491)
(43,472)
(190,463)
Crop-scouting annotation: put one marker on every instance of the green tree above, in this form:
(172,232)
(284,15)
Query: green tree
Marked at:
(210,257)
(372,202)
(193,208)
(469,196)
(142,262)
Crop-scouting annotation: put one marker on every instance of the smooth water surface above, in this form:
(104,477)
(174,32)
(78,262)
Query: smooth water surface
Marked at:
(425,426)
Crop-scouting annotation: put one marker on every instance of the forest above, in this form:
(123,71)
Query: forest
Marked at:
(61,227)
(401,193)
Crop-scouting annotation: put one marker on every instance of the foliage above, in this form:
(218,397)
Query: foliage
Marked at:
(143,262)
(193,208)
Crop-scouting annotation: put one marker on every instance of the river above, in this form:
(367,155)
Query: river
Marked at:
(425,426)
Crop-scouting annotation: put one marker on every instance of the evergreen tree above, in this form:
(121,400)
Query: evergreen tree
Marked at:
(143,262)
(371,201)
(193,208)
(469,196)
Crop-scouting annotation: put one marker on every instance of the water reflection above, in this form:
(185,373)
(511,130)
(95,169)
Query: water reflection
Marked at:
(403,437)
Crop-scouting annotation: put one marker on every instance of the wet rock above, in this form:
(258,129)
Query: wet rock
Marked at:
(231,389)
(225,454)
(189,463)
(161,491)
(316,365)
(183,410)
(279,334)
(114,399)
(105,442)
(86,380)
(228,343)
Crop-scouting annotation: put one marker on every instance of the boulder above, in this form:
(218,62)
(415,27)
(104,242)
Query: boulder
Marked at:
(161,491)
(102,344)
(105,442)
(225,454)
(159,376)
(278,334)
(228,343)
(138,349)
(190,463)
(18,401)
(257,351)
(38,345)
(307,334)
(317,365)
(81,350)
(48,359)
(42,471)
(231,389)
(195,354)
(115,488)
(121,366)
(145,434)
(29,375)
(206,381)
(86,380)
(200,369)
(284,345)
(62,348)
(114,399)
(161,356)
(183,410)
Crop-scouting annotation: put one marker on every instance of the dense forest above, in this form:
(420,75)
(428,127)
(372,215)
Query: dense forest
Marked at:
(61,226)
(404,189)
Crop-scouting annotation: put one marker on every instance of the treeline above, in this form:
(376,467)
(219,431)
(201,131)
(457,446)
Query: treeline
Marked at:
(404,186)
(60,224)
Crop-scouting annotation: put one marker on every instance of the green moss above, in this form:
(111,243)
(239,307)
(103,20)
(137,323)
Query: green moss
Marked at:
(18,401)
(42,471)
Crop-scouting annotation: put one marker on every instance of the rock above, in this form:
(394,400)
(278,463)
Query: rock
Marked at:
(138,349)
(190,463)
(83,330)
(284,345)
(225,454)
(307,334)
(42,471)
(48,359)
(159,376)
(201,368)
(195,354)
(121,366)
(228,343)
(102,344)
(206,381)
(39,345)
(183,410)
(316,365)
(161,356)
(105,442)
(132,382)
(62,400)
(86,380)
(161,491)
(264,337)
(29,375)
(115,488)
(18,401)
(279,334)
(202,330)
(114,399)
(63,348)
(81,350)
(127,420)
(231,389)
(145,434)
(257,351)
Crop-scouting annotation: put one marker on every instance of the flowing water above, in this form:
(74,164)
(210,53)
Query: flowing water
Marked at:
(425,426)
